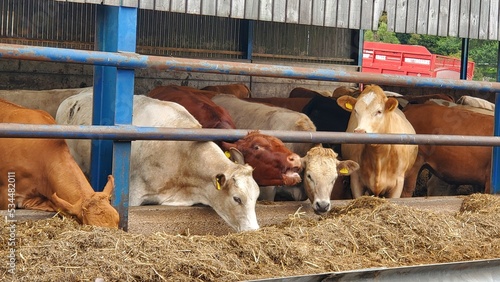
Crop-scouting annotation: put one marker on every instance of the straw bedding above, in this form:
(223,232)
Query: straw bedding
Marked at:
(368,232)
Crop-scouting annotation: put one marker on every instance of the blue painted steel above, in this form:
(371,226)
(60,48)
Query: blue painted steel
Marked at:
(129,132)
(112,104)
(495,165)
(361,40)
(464,58)
(247,30)
(130,60)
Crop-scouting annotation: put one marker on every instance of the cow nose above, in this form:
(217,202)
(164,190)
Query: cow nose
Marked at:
(359,130)
(322,207)
(294,160)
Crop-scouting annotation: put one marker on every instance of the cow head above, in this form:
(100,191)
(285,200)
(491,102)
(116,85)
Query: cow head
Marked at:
(369,109)
(321,169)
(236,192)
(94,210)
(273,163)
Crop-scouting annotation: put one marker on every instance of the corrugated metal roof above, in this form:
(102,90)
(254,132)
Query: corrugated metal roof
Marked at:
(476,19)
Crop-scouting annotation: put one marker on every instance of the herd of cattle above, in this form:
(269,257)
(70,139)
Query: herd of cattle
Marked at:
(51,174)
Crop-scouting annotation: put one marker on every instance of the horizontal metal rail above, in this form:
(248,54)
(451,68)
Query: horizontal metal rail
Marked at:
(130,132)
(133,61)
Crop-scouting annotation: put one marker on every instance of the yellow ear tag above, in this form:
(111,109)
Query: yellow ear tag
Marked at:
(228,155)
(348,106)
(217,184)
(344,171)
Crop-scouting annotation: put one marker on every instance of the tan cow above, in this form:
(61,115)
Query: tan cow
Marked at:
(321,170)
(46,175)
(382,166)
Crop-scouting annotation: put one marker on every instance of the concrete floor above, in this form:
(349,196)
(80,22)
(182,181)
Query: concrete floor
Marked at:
(201,220)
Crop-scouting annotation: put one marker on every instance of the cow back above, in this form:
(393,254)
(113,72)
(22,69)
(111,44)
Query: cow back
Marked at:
(209,114)
(239,90)
(249,115)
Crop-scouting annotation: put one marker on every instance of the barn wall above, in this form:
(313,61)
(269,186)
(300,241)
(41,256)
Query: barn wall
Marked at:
(31,75)
(478,19)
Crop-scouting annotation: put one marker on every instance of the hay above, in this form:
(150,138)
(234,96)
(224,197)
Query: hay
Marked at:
(368,232)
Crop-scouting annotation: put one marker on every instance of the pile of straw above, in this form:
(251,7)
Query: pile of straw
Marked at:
(368,232)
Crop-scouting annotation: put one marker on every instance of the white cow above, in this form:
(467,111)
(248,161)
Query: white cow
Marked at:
(177,173)
(382,166)
(47,100)
(250,115)
(476,102)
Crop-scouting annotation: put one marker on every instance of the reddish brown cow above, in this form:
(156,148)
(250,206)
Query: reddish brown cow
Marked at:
(46,175)
(264,153)
(453,164)
(208,114)
(239,90)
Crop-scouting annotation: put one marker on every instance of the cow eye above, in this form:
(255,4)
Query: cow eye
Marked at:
(237,200)
(256,147)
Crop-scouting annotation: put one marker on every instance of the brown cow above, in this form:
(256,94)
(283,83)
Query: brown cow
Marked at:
(382,166)
(208,114)
(239,90)
(47,176)
(453,164)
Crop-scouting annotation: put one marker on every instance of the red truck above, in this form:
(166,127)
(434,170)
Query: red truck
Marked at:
(413,60)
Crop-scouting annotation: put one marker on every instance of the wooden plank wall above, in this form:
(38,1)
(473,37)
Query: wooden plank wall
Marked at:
(476,19)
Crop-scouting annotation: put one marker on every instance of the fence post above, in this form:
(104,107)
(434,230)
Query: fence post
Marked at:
(113,103)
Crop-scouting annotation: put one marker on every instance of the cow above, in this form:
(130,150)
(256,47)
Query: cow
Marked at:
(238,89)
(208,114)
(382,166)
(327,115)
(249,115)
(476,102)
(176,173)
(47,177)
(451,163)
(46,100)
(273,163)
(301,92)
(321,171)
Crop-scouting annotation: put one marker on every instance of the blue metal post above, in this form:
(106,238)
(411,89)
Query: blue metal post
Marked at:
(495,165)
(113,103)
(246,38)
(464,58)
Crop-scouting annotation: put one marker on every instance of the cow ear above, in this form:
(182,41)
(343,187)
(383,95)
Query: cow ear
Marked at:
(346,102)
(220,180)
(236,156)
(391,104)
(67,207)
(110,186)
(347,167)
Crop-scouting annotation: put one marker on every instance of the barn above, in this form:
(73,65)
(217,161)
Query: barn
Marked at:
(122,48)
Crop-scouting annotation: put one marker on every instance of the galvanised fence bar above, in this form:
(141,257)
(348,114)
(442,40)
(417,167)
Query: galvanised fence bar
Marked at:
(132,61)
(131,133)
